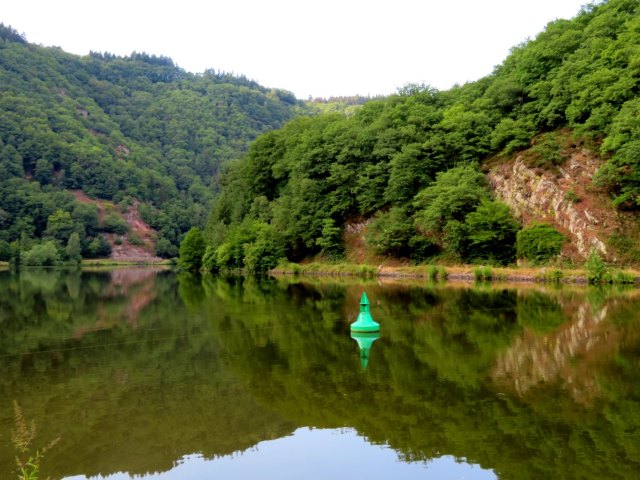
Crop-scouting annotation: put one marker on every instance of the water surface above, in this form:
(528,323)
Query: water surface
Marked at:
(146,373)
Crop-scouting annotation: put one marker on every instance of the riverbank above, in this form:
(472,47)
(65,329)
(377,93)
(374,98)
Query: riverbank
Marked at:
(110,262)
(106,262)
(463,273)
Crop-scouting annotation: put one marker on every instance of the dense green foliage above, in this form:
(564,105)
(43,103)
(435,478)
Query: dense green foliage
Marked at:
(539,243)
(119,128)
(578,78)
(192,250)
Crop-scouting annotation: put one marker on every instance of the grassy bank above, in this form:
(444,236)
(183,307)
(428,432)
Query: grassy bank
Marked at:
(458,273)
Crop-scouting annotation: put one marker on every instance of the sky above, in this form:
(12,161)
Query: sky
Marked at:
(309,47)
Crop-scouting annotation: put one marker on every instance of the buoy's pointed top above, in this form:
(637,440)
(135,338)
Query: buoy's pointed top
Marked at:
(364,300)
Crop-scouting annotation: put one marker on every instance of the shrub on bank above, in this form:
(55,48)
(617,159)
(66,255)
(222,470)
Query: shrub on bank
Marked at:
(539,243)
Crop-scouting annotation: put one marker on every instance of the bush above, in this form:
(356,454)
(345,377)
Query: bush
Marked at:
(481,274)
(432,272)
(597,270)
(491,231)
(572,197)
(390,233)
(623,278)
(43,255)
(114,223)
(442,273)
(456,238)
(556,276)
(98,247)
(539,243)
(166,249)
(135,240)
(422,248)
(367,271)
(547,152)
(231,253)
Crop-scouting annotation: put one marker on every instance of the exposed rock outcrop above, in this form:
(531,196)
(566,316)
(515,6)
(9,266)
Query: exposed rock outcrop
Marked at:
(564,198)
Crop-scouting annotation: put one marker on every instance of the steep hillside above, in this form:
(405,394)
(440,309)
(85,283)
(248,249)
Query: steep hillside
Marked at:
(412,165)
(135,128)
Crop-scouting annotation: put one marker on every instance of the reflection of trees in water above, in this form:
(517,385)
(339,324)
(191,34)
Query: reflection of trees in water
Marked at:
(132,399)
(428,388)
(61,304)
(216,365)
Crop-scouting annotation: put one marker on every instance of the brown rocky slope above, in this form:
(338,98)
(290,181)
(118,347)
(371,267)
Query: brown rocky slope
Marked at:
(564,197)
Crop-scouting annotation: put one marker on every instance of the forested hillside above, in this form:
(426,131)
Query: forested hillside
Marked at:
(411,167)
(118,128)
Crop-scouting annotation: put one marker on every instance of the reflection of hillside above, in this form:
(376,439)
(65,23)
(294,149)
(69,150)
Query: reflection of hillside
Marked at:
(426,393)
(134,400)
(215,366)
(136,286)
(570,355)
(126,277)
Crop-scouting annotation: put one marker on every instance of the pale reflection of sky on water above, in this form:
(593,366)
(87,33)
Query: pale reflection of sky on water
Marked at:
(313,453)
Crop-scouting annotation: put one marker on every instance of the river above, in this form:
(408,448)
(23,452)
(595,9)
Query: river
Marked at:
(148,373)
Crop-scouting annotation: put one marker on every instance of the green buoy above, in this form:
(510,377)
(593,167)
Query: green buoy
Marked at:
(365,323)
(365,340)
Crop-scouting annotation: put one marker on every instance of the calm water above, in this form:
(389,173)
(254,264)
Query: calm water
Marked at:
(144,373)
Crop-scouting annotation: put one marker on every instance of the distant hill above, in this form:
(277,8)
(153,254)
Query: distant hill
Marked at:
(118,128)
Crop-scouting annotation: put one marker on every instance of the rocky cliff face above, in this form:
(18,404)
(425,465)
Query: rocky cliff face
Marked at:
(564,198)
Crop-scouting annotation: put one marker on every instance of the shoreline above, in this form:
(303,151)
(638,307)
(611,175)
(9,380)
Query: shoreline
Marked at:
(96,263)
(458,273)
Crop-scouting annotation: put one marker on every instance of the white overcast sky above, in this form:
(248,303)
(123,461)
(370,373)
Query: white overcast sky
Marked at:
(310,47)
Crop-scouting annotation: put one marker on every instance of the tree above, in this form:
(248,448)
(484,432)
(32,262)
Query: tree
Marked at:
(43,171)
(331,240)
(85,216)
(73,249)
(192,249)
(454,194)
(265,251)
(5,251)
(59,226)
